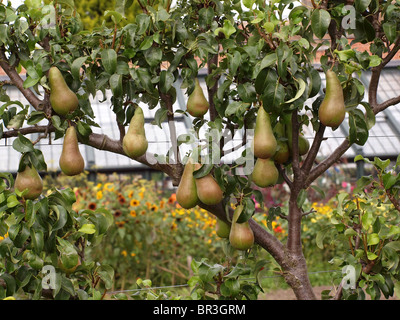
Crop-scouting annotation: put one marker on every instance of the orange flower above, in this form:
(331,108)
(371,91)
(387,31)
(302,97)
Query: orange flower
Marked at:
(162,203)
(134,203)
(121,199)
(133,213)
(130,194)
(117,213)
(92,206)
(172,198)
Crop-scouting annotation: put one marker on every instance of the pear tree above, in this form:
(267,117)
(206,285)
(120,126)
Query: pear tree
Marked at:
(261,63)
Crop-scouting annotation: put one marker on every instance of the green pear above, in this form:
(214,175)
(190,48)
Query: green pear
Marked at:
(63,100)
(332,110)
(186,194)
(304,145)
(71,161)
(282,153)
(265,173)
(29,179)
(197,104)
(222,229)
(134,142)
(241,237)
(264,142)
(208,190)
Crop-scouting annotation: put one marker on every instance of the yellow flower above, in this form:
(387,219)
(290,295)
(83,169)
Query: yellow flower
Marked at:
(99,195)
(130,194)
(108,186)
(154,208)
(141,195)
(133,213)
(124,253)
(133,254)
(134,202)
(5,236)
(162,203)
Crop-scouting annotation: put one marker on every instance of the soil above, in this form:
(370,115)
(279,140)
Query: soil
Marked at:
(287,294)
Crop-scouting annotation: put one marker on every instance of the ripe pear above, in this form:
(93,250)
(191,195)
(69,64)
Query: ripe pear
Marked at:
(63,100)
(208,190)
(332,110)
(197,104)
(241,237)
(186,194)
(135,143)
(265,173)
(29,179)
(264,142)
(71,161)
(222,229)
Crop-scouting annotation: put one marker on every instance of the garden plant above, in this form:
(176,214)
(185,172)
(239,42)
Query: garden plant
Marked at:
(264,63)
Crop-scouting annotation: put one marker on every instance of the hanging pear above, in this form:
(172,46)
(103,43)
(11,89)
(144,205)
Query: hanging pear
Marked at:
(222,229)
(264,140)
(282,153)
(332,110)
(241,237)
(71,161)
(134,142)
(186,194)
(265,173)
(63,100)
(29,179)
(208,190)
(197,104)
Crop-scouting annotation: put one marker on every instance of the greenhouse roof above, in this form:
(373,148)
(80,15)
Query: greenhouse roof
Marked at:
(383,141)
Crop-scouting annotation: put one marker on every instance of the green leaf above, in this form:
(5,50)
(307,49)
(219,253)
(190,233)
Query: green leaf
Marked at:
(269,60)
(315,82)
(273,96)
(300,91)
(319,239)
(122,5)
(301,198)
(230,288)
(116,84)
(361,5)
(88,228)
(109,60)
(153,56)
(22,144)
(228,29)
(77,65)
(373,239)
(206,17)
(116,17)
(166,81)
(320,20)
(203,170)
(367,220)
(371,256)
(390,30)
(106,274)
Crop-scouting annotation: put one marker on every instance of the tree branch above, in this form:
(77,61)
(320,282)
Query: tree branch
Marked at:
(103,142)
(212,62)
(263,238)
(312,153)
(18,82)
